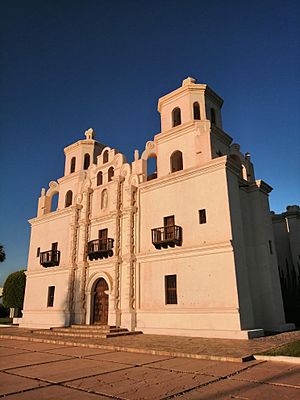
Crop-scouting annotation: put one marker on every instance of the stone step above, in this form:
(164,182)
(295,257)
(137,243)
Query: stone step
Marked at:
(89,331)
(100,335)
(95,326)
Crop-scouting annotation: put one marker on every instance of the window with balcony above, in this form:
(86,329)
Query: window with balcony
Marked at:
(169,235)
(170,289)
(102,247)
(50,258)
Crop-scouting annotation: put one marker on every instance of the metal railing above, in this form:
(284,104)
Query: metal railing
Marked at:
(100,248)
(50,258)
(167,236)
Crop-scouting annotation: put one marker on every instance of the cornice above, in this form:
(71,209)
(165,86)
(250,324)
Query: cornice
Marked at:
(110,217)
(260,185)
(52,216)
(48,271)
(71,147)
(276,218)
(177,93)
(213,165)
(177,131)
(221,135)
(176,253)
(181,91)
(71,177)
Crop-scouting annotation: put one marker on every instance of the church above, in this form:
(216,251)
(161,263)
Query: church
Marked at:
(186,248)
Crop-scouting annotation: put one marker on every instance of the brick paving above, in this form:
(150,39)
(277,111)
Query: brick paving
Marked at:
(219,349)
(35,371)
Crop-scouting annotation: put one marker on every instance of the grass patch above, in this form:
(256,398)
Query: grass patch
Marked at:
(290,349)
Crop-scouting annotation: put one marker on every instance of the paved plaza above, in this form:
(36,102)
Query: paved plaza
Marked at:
(44,371)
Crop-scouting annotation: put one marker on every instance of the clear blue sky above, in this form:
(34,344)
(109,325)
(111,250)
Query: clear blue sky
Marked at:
(70,65)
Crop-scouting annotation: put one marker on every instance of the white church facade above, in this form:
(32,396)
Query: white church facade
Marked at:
(187,250)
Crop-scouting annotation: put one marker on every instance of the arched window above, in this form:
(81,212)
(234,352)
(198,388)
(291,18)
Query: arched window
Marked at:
(87,161)
(104,199)
(176,161)
(196,110)
(176,116)
(111,173)
(213,116)
(73,165)
(69,197)
(99,178)
(105,157)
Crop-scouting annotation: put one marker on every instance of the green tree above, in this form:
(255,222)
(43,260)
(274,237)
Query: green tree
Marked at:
(13,290)
(2,253)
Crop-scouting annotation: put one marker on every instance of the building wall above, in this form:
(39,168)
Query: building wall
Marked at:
(227,280)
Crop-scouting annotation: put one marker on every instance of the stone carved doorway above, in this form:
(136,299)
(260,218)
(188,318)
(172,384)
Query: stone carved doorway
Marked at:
(100,304)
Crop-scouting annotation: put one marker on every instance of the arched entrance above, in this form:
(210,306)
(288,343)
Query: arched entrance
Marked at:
(100,303)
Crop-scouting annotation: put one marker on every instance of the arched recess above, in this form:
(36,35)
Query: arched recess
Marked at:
(196,110)
(91,286)
(111,173)
(87,161)
(99,178)
(53,201)
(52,196)
(149,155)
(104,199)
(68,198)
(151,168)
(73,165)
(105,157)
(176,162)
(176,116)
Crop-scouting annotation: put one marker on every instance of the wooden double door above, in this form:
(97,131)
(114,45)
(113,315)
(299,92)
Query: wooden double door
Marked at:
(100,310)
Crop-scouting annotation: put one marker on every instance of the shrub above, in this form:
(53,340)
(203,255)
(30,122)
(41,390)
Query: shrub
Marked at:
(4,312)
(13,290)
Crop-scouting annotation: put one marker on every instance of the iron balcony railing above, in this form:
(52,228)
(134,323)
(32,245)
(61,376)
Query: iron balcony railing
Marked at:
(167,236)
(50,258)
(100,248)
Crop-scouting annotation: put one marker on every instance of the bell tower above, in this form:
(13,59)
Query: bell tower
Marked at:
(82,154)
(191,102)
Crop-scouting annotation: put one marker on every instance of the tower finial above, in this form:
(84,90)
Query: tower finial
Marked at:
(188,81)
(89,134)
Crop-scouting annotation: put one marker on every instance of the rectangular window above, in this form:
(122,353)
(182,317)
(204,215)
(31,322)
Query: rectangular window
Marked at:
(270,247)
(202,216)
(103,233)
(51,290)
(38,250)
(170,289)
(54,246)
(169,223)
